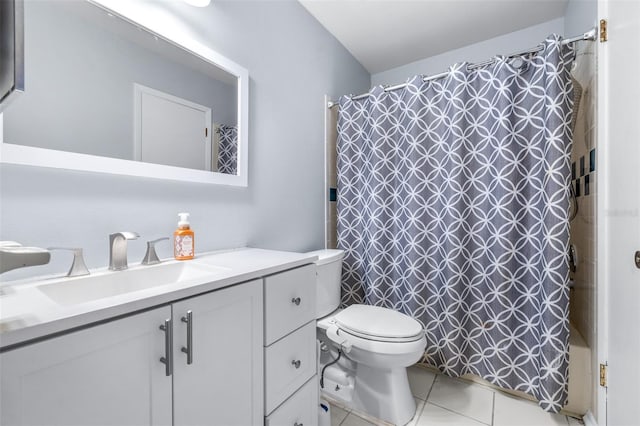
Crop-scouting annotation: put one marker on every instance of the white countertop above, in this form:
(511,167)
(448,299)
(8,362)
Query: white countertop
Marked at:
(26,313)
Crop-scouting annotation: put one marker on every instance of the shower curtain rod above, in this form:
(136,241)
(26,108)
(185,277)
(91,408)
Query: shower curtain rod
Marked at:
(590,35)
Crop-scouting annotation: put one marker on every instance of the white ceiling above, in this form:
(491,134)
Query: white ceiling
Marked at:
(384,34)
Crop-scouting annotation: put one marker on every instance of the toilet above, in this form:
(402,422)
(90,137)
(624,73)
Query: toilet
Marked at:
(365,350)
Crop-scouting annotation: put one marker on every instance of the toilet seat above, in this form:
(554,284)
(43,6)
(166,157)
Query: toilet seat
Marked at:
(375,329)
(379,324)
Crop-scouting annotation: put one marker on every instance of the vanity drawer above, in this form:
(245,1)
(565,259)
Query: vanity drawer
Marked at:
(301,408)
(288,364)
(289,301)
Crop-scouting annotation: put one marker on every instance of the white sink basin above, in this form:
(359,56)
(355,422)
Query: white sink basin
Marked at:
(72,291)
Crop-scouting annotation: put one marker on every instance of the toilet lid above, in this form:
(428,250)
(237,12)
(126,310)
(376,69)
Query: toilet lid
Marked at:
(378,323)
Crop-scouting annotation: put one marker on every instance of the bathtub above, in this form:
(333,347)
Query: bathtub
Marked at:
(580,378)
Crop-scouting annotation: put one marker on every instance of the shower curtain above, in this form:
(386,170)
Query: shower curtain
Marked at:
(228,149)
(453,209)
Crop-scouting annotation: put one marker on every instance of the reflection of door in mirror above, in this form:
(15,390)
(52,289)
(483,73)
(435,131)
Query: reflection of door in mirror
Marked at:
(171,130)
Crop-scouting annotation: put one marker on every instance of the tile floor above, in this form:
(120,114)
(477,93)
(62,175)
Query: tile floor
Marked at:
(442,400)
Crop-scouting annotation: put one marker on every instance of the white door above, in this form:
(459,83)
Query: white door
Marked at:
(104,375)
(619,212)
(223,385)
(170,130)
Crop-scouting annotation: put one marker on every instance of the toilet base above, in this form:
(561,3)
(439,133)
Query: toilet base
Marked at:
(377,392)
(384,394)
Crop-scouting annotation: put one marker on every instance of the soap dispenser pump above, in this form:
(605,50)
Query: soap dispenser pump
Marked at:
(183,239)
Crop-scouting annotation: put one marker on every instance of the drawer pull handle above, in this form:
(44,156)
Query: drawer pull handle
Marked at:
(189,349)
(296,363)
(296,301)
(167,359)
(298,424)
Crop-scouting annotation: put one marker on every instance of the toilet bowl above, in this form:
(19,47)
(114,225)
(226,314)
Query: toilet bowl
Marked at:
(366,349)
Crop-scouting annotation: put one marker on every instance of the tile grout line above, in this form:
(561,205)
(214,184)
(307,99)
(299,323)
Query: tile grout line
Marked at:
(493,397)
(435,377)
(460,414)
(493,409)
(345,417)
(418,415)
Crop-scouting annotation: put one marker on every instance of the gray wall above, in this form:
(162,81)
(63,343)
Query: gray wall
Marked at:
(80,77)
(580,16)
(292,62)
(477,52)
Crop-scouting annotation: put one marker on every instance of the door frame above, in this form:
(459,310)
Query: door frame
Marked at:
(602,307)
(617,212)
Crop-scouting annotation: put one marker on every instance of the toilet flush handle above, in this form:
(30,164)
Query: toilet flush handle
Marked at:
(333,333)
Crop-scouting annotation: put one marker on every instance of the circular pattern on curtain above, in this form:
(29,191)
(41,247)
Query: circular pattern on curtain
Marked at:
(453,200)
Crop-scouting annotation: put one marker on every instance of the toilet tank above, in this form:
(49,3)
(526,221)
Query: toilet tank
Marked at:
(329,273)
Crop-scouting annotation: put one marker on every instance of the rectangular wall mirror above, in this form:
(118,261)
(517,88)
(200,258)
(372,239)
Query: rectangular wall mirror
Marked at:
(113,88)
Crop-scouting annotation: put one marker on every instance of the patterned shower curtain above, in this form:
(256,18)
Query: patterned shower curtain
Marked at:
(453,209)
(228,149)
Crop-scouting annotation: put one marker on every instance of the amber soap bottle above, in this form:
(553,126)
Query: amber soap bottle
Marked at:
(183,239)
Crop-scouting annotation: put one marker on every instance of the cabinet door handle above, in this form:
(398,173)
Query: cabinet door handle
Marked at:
(298,424)
(167,359)
(296,301)
(189,349)
(296,363)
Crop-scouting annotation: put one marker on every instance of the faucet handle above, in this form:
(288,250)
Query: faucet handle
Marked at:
(78,267)
(151,257)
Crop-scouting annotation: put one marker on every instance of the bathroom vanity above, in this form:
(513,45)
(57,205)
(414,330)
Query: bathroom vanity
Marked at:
(290,348)
(230,341)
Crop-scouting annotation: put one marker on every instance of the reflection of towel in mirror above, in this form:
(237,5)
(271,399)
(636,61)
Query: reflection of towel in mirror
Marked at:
(228,149)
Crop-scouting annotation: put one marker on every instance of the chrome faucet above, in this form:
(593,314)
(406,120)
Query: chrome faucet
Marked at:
(118,249)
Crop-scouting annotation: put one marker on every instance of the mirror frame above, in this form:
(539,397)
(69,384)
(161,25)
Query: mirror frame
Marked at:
(172,31)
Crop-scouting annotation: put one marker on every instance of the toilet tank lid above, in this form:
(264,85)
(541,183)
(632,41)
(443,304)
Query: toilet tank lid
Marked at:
(327,255)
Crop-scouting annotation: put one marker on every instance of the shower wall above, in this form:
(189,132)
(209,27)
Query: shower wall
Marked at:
(584,175)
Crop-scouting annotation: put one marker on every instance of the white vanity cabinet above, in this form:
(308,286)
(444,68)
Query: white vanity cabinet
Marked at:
(223,384)
(108,374)
(111,374)
(291,387)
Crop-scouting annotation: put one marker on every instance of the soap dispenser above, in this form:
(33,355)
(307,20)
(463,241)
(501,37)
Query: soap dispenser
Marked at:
(183,239)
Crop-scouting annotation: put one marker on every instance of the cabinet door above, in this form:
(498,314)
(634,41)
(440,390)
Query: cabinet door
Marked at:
(223,384)
(108,374)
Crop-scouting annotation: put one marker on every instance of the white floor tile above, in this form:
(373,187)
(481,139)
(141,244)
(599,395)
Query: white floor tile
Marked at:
(353,420)
(574,422)
(463,398)
(419,407)
(512,411)
(432,415)
(420,381)
(337,415)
